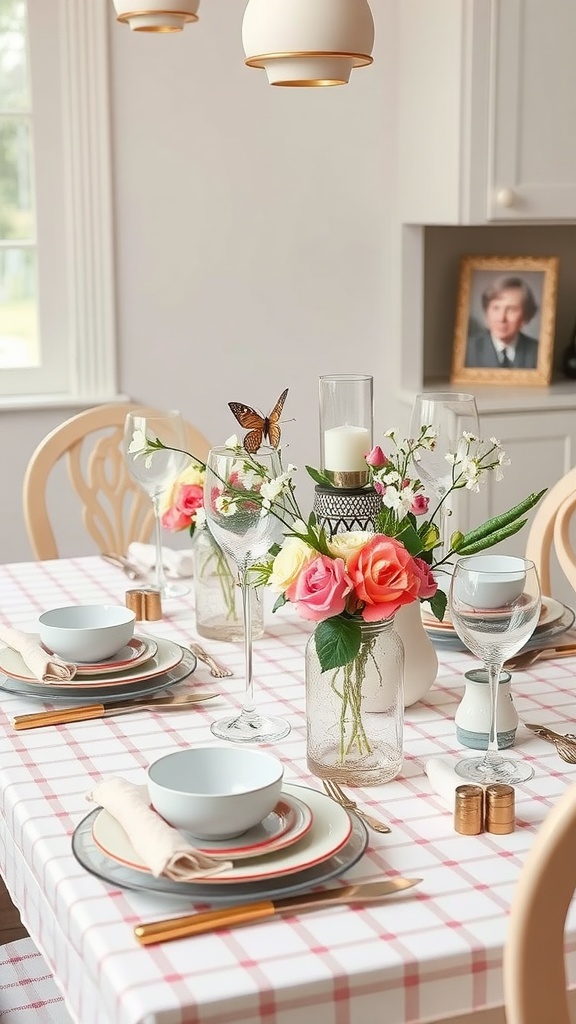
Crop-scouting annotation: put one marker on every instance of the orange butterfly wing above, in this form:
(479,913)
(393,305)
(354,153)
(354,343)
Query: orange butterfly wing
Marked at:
(252,421)
(259,427)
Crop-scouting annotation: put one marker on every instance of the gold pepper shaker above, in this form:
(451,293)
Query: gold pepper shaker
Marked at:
(468,810)
(499,815)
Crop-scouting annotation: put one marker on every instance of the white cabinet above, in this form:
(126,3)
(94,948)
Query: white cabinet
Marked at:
(487,105)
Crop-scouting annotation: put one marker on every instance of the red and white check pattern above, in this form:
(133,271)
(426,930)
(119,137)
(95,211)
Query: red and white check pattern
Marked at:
(28,994)
(432,953)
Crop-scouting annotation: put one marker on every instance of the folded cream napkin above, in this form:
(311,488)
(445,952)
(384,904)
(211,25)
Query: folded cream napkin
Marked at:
(48,668)
(176,563)
(443,778)
(160,846)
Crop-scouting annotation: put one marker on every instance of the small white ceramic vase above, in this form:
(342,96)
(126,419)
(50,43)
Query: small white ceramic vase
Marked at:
(420,658)
(472,717)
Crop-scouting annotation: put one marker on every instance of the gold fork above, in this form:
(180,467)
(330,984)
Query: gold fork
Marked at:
(217,669)
(337,794)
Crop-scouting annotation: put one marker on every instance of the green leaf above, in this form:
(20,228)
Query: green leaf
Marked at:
(279,602)
(409,537)
(318,477)
(500,521)
(492,539)
(337,641)
(438,604)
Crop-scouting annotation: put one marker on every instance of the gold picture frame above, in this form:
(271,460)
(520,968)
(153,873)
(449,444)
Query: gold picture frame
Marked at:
(505,317)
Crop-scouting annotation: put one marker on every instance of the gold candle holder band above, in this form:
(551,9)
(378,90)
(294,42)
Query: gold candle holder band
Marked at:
(347,481)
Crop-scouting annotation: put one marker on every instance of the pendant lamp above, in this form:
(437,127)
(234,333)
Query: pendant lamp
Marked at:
(156,15)
(308,42)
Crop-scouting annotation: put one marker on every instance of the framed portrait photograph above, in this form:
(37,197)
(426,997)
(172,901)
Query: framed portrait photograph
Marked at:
(505,316)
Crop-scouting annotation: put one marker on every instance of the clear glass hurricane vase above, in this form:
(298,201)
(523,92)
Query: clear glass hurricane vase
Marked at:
(246,531)
(355,714)
(217,593)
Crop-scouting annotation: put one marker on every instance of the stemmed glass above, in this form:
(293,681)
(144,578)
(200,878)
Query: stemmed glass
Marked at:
(156,471)
(449,414)
(234,518)
(494,603)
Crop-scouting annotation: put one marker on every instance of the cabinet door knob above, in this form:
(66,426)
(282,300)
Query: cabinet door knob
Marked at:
(505,197)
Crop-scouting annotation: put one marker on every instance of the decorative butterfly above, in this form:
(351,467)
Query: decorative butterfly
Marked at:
(259,427)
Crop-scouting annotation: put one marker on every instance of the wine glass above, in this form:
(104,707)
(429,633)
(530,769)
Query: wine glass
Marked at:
(156,471)
(234,518)
(495,604)
(449,414)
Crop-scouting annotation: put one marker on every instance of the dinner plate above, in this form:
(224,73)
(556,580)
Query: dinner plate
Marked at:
(329,832)
(92,858)
(136,651)
(167,656)
(286,824)
(450,640)
(551,612)
(90,694)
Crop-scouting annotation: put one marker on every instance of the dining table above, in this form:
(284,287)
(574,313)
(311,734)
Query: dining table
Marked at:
(431,953)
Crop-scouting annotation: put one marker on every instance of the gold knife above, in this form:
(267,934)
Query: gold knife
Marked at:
(80,714)
(245,913)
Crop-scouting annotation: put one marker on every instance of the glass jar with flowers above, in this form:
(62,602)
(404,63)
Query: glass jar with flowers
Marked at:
(217,596)
(351,586)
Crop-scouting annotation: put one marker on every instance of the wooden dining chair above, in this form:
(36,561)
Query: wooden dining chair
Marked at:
(28,992)
(549,532)
(115,510)
(534,971)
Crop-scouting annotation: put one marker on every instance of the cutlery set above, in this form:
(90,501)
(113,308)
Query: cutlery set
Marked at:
(565,743)
(172,702)
(246,913)
(526,658)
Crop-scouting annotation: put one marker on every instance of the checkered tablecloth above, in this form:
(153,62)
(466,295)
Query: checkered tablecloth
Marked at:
(424,956)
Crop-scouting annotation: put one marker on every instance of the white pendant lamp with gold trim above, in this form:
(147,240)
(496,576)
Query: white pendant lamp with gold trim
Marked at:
(156,15)
(308,42)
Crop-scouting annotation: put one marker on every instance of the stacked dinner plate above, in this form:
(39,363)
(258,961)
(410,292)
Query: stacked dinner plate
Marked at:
(306,840)
(145,665)
(555,618)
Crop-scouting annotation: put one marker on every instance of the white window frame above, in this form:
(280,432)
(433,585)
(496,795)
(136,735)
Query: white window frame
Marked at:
(75,226)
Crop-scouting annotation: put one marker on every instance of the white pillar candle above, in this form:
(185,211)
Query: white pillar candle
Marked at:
(345,449)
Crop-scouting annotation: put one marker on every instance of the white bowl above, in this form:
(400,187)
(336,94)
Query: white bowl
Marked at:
(86,632)
(215,792)
(500,580)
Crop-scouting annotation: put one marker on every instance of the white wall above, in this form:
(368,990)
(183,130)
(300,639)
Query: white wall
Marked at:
(253,239)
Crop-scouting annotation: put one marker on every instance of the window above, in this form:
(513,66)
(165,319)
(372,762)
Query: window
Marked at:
(57,341)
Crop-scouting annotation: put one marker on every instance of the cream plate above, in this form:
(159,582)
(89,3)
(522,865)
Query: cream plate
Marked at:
(53,693)
(168,655)
(97,863)
(329,832)
(550,613)
(138,650)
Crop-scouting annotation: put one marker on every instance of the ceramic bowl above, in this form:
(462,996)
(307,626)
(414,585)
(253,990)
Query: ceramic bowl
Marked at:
(500,580)
(86,632)
(215,792)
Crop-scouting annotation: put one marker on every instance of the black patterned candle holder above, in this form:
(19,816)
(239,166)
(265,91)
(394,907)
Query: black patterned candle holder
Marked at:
(341,510)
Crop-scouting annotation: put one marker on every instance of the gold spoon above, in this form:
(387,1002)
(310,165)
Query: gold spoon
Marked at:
(526,658)
(565,743)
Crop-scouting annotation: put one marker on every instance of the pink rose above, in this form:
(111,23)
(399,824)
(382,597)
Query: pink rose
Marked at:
(419,506)
(320,591)
(189,498)
(376,458)
(379,487)
(384,577)
(428,585)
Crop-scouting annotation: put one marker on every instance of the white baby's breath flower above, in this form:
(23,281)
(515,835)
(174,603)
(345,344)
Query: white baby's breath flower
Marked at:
(272,489)
(139,443)
(232,442)
(225,505)
(200,516)
(495,442)
(391,433)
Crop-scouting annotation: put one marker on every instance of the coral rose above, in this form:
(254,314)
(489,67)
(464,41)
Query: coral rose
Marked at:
(321,589)
(384,577)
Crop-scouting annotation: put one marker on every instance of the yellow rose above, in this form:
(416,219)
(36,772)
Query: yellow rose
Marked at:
(344,545)
(289,562)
